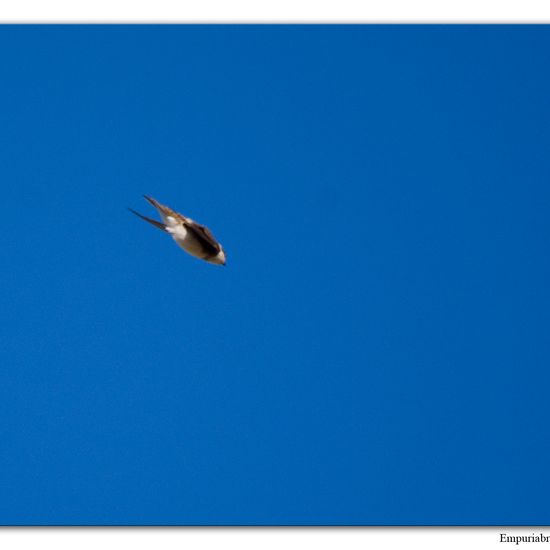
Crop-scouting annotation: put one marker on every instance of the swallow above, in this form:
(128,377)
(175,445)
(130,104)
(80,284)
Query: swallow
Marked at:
(194,238)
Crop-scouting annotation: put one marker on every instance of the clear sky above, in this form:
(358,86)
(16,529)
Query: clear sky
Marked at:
(377,349)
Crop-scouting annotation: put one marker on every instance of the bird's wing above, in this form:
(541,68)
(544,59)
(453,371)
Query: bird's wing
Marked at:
(165,211)
(150,220)
(204,234)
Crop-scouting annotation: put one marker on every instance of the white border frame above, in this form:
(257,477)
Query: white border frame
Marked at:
(272,11)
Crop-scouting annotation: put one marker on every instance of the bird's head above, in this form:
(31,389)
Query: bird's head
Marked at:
(219,258)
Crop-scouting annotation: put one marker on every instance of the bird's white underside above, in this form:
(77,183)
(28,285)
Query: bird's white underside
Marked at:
(177,231)
(175,228)
(179,234)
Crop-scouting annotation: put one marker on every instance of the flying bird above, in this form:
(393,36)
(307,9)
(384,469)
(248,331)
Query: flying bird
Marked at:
(194,238)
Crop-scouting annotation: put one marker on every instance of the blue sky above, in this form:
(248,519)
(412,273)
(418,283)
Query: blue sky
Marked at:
(376,350)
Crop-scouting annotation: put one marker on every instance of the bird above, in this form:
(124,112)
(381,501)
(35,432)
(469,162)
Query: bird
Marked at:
(194,238)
